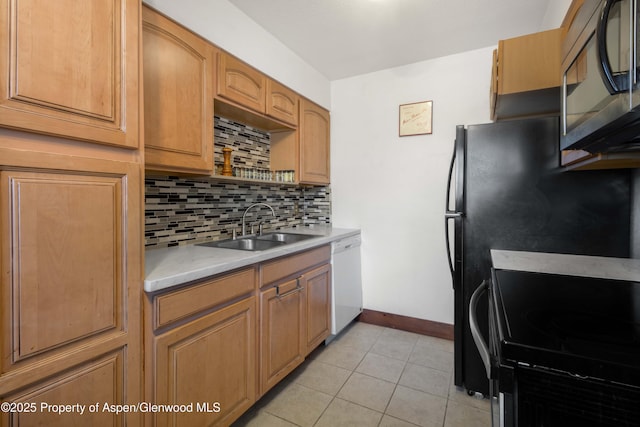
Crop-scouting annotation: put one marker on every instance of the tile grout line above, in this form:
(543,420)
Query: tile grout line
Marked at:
(335,396)
(398,383)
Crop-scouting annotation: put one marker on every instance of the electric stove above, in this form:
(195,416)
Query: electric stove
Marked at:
(564,349)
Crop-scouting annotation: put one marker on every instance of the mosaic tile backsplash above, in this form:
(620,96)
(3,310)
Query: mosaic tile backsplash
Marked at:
(182,211)
(250,146)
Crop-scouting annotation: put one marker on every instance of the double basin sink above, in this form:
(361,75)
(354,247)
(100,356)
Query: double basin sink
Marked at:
(259,243)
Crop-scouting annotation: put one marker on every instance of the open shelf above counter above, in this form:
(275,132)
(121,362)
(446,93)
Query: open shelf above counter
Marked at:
(243,115)
(241,180)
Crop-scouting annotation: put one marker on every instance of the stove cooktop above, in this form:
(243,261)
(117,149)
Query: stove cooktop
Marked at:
(584,326)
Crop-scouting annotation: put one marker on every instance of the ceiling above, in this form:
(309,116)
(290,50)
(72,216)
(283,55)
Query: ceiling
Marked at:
(343,38)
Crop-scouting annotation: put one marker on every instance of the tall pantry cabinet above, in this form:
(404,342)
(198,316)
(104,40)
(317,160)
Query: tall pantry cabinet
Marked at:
(71,188)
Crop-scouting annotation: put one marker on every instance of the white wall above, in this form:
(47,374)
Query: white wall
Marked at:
(226,26)
(394,187)
(556,10)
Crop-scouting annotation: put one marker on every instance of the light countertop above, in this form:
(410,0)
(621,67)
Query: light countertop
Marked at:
(167,267)
(565,264)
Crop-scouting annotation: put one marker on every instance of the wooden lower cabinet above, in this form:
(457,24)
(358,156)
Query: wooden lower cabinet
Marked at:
(209,365)
(318,301)
(295,304)
(203,351)
(95,382)
(219,344)
(282,328)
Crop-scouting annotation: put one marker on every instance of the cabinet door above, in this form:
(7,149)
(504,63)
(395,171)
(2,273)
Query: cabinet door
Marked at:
(282,103)
(526,76)
(493,87)
(70,68)
(241,83)
(529,62)
(282,311)
(318,286)
(178,97)
(70,257)
(210,363)
(98,381)
(314,144)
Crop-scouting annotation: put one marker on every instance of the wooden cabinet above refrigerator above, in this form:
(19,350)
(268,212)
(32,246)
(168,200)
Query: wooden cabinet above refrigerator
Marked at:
(525,78)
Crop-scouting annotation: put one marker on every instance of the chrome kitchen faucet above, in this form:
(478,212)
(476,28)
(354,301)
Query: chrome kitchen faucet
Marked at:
(244,227)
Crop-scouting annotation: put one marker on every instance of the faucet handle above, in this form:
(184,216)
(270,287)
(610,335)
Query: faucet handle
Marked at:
(234,234)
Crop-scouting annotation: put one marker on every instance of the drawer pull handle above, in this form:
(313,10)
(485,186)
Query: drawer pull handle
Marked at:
(298,288)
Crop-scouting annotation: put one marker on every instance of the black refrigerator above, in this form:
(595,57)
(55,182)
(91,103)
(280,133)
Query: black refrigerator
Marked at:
(507,191)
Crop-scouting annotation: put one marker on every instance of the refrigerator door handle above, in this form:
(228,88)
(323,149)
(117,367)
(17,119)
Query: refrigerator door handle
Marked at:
(451,165)
(448,215)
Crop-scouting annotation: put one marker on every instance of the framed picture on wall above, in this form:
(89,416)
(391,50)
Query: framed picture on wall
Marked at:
(415,118)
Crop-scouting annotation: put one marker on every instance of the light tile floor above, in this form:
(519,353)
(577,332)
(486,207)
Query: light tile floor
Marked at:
(372,376)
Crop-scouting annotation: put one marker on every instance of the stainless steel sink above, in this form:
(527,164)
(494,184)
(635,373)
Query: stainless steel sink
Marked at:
(284,237)
(259,243)
(247,244)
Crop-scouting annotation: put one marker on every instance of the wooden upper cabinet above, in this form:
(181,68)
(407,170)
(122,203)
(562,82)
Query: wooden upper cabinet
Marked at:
(314,133)
(70,68)
(529,62)
(240,83)
(493,87)
(178,97)
(282,103)
(526,75)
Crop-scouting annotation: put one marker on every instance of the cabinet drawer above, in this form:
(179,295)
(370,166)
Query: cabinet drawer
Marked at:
(287,266)
(188,301)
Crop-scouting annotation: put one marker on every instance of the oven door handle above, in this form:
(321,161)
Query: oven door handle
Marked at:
(475,331)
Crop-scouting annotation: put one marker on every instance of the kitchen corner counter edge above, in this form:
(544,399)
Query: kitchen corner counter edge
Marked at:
(168,267)
(569,265)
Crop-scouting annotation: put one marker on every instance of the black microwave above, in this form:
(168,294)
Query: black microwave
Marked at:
(600,78)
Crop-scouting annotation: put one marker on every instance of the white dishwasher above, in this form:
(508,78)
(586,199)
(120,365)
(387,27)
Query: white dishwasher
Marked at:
(346,283)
